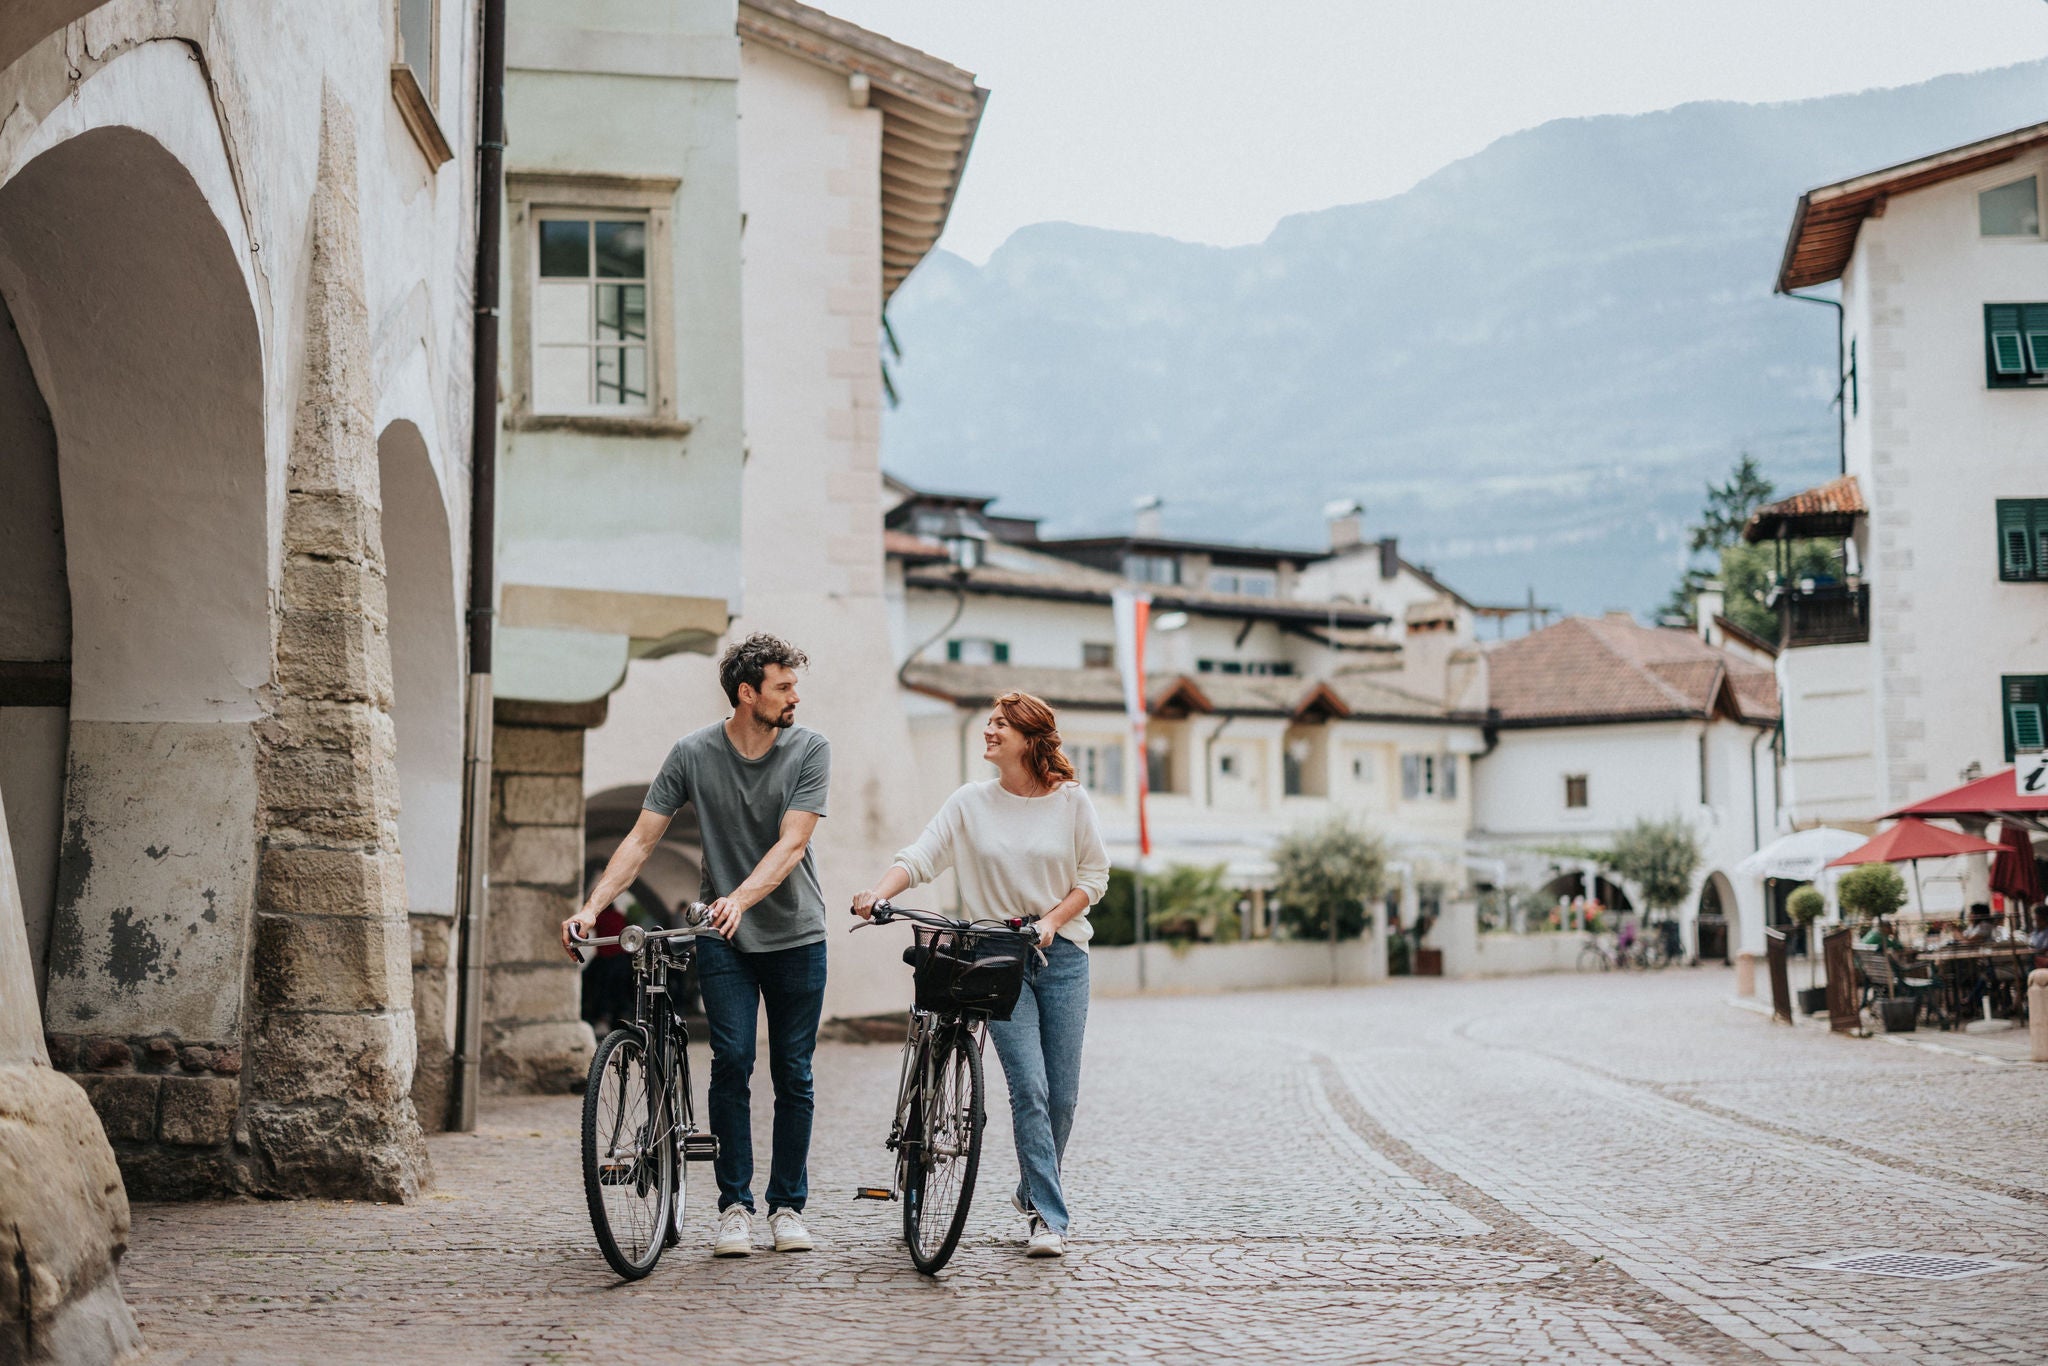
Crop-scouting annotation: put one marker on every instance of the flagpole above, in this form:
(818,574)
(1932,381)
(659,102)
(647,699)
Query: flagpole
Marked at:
(1131,613)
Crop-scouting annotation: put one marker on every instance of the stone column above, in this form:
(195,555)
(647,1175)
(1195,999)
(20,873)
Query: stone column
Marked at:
(327,1106)
(63,1212)
(534,1035)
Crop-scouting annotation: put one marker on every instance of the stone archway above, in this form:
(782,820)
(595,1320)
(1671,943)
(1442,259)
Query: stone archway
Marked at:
(426,714)
(1717,927)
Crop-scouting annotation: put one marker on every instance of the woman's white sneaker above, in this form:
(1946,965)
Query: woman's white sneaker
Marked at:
(1044,1242)
(790,1233)
(735,1232)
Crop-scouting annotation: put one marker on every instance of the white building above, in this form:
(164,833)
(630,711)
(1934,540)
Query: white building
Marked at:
(1596,723)
(1930,657)
(851,148)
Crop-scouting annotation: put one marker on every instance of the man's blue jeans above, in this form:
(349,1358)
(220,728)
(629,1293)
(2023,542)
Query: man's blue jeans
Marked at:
(1040,1045)
(735,985)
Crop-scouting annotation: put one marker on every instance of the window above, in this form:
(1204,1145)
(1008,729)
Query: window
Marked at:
(592,303)
(1158,765)
(1263,668)
(2010,210)
(1152,568)
(2022,539)
(1100,768)
(1292,758)
(590,314)
(1250,582)
(1364,771)
(977,650)
(1226,764)
(1450,778)
(2015,345)
(1575,791)
(1418,776)
(2024,695)
(415,31)
(1855,394)
(1703,768)
(1097,655)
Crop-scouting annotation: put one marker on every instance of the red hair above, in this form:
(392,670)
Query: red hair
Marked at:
(1035,721)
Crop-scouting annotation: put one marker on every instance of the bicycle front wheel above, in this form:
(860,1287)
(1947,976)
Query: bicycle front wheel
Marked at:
(1591,959)
(629,1156)
(948,1126)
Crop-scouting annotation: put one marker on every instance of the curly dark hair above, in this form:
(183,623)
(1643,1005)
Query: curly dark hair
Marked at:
(747,662)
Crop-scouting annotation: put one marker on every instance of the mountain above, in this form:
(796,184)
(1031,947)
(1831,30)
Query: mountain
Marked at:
(1527,366)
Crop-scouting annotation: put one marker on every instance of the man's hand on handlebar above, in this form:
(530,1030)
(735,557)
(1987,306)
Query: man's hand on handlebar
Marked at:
(578,926)
(725,916)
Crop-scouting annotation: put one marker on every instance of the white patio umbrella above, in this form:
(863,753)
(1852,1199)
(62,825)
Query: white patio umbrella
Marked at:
(1800,856)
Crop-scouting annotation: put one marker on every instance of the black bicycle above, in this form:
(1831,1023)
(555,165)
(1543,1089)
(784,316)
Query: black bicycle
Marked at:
(638,1123)
(966,973)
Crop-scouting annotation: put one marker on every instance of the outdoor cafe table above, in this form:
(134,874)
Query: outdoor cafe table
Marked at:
(1960,969)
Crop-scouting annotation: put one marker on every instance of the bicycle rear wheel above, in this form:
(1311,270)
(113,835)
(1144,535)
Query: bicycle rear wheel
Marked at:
(629,1156)
(947,1124)
(1591,959)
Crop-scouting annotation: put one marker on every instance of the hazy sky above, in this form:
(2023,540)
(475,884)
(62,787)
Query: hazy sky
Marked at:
(1208,120)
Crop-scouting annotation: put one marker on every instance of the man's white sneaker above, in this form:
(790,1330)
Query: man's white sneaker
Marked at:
(735,1232)
(790,1233)
(1044,1242)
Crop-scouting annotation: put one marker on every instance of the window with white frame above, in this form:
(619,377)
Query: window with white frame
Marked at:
(1431,777)
(2010,210)
(1099,768)
(1253,583)
(1152,568)
(590,313)
(977,650)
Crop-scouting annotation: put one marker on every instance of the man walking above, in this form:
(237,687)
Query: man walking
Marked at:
(758,782)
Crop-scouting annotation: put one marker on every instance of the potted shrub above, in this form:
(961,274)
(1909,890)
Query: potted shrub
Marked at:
(1870,893)
(1805,906)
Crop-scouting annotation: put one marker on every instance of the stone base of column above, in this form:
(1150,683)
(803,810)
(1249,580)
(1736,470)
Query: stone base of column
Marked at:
(63,1226)
(534,1035)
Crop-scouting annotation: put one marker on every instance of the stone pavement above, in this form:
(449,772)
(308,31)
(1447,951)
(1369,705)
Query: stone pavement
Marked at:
(1615,1168)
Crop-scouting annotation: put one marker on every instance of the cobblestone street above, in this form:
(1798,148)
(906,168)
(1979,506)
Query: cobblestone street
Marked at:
(1616,1168)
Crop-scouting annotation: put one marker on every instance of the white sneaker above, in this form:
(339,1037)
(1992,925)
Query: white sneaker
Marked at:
(790,1233)
(735,1232)
(1044,1242)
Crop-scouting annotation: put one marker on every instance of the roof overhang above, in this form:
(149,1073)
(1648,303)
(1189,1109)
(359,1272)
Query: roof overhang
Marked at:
(1825,225)
(930,112)
(1825,513)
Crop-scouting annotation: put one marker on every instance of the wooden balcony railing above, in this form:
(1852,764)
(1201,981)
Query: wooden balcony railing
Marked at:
(1825,614)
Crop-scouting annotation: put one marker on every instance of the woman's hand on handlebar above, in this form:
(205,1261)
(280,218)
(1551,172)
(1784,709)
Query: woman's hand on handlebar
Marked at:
(1046,933)
(864,904)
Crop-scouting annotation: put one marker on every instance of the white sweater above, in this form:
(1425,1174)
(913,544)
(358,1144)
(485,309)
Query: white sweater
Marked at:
(1015,856)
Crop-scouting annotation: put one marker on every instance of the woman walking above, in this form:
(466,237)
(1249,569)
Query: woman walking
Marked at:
(1025,843)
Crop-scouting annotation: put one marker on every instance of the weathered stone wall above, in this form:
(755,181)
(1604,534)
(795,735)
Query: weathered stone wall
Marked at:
(534,1035)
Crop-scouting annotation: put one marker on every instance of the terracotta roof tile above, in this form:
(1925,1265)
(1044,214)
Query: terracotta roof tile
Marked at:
(1829,510)
(1584,670)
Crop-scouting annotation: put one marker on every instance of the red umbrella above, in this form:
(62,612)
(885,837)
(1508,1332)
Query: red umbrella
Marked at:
(1910,841)
(2013,873)
(1986,796)
(1913,839)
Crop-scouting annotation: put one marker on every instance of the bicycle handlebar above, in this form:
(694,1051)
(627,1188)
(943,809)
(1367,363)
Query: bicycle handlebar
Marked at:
(882,912)
(696,918)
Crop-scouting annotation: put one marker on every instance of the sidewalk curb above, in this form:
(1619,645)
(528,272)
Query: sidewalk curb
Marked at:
(1755,1007)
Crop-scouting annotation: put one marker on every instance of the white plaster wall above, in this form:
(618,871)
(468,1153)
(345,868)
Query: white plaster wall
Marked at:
(1831,771)
(1935,448)
(1355,576)
(811,499)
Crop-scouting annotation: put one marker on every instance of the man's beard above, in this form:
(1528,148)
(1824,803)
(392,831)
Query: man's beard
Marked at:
(780,720)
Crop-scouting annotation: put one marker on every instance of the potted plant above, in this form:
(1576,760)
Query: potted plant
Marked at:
(1871,893)
(1805,906)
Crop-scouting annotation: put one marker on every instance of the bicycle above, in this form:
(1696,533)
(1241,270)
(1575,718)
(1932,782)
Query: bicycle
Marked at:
(966,973)
(639,1127)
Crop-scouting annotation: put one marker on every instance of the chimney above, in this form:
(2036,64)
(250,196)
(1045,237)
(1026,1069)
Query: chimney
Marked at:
(1347,524)
(1390,558)
(1145,524)
(1710,603)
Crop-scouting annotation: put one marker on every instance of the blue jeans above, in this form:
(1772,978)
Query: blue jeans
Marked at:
(1040,1045)
(735,985)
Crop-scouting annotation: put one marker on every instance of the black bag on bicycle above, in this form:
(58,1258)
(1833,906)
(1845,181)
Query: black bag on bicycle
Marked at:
(958,970)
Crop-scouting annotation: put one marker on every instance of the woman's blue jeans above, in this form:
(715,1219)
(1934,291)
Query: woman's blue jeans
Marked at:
(1040,1045)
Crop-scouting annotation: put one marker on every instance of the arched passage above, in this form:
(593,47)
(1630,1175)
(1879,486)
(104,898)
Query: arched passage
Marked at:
(134,320)
(426,714)
(1565,886)
(1717,929)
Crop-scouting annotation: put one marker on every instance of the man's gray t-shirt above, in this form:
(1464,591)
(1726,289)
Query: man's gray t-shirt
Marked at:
(740,805)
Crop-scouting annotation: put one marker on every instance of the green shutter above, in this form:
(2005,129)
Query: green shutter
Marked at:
(953,651)
(2015,538)
(1002,652)
(2023,719)
(2004,343)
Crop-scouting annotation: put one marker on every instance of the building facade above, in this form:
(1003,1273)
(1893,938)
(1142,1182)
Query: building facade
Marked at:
(235,382)
(1926,660)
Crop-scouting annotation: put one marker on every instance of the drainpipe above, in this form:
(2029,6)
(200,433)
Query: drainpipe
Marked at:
(483,579)
(1841,378)
(1756,822)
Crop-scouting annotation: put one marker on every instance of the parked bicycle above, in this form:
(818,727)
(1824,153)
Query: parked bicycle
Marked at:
(966,973)
(1604,953)
(639,1126)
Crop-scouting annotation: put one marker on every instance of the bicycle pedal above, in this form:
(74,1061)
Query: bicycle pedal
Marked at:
(700,1147)
(873,1193)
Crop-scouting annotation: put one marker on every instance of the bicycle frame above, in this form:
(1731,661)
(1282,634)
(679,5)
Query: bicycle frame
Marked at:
(915,1081)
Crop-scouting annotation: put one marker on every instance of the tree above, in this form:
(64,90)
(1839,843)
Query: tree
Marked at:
(1746,572)
(1186,902)
(1328,874)
(1659,857)
(1805,906)
(1871,891)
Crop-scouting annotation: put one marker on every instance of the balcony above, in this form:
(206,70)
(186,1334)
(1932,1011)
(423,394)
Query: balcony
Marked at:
(1824,614)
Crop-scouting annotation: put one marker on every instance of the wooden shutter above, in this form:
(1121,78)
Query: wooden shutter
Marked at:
(2023,715)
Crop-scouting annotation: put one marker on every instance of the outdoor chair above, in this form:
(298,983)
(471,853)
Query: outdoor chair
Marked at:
(1884,981)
